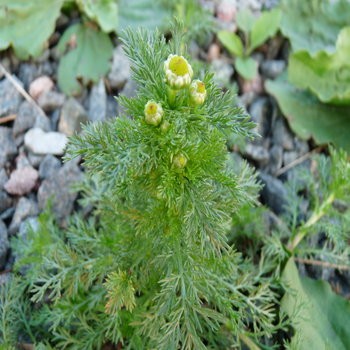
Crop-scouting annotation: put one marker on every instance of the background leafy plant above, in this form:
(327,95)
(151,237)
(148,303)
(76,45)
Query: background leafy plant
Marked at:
(255,32)
(310,118)
(318,65)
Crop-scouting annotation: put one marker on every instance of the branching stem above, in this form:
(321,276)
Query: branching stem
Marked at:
(247,341)
(316,216)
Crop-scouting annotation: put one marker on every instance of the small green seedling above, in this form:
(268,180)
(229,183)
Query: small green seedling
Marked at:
(254,32)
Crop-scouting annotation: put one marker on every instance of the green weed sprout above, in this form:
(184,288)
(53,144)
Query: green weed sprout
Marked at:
(255,32)
(151,267)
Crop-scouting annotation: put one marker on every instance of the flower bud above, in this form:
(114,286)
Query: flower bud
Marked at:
(180,161)
(198,92)
(164,126)
(153,113)
(178,72)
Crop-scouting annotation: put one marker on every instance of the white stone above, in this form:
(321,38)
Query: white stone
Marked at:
(40,142)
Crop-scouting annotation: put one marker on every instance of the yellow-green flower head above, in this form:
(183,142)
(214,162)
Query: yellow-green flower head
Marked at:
(178,72)
(180,161)
(153,113)
(198,93)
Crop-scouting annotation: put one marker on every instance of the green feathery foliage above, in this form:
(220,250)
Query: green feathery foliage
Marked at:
(151,267)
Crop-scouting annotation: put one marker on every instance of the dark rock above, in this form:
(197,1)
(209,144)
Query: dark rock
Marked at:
(5,278)
(42,122)
(120,71)
(22,181)
(5,201)
(274,194)
(25,208)
(3,178)
(19,140)
(26,117)
(112,107)
(301,146)
(272,68)
(51,100)
(289,157)
(57,187)
(281,134)
(49,167)
(55,118)
(4,244)
(72,115)
(8,148)
(10,98)
(260,110)
(98,102)
(247,99)
(27,73)
(7,213)
(276,159)
(256,153)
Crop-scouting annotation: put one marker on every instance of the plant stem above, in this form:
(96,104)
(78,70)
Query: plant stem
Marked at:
(247,341)
(172,96)
(316,216)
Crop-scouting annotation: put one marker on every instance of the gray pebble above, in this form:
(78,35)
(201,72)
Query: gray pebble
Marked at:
(281,134)
(272,68)
(260,110)
(35,159)
(120,71)
(42,122)
(98,102)
(26,117)
(3,178)
(274,193)
(27,73)
(57,187)
(112,107)
(72,114)
(129,90)
(50,100)
(4,244)
(8,148)
(25,207)
(49,167)
(223,71)
(276,159)
(10,98)
(257,153)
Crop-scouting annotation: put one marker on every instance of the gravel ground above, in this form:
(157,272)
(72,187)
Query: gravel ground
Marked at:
(40,118)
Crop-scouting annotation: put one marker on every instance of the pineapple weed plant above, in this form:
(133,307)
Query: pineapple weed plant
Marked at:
(151,266)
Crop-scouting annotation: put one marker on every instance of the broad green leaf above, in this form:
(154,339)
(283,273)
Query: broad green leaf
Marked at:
(232,42)
(265,27)
(247,67)
(88,57)
(314,25)
(321,318)
(142,13)
(308,117)
(245,20)
(103,12)
(27,25)
(326,75)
